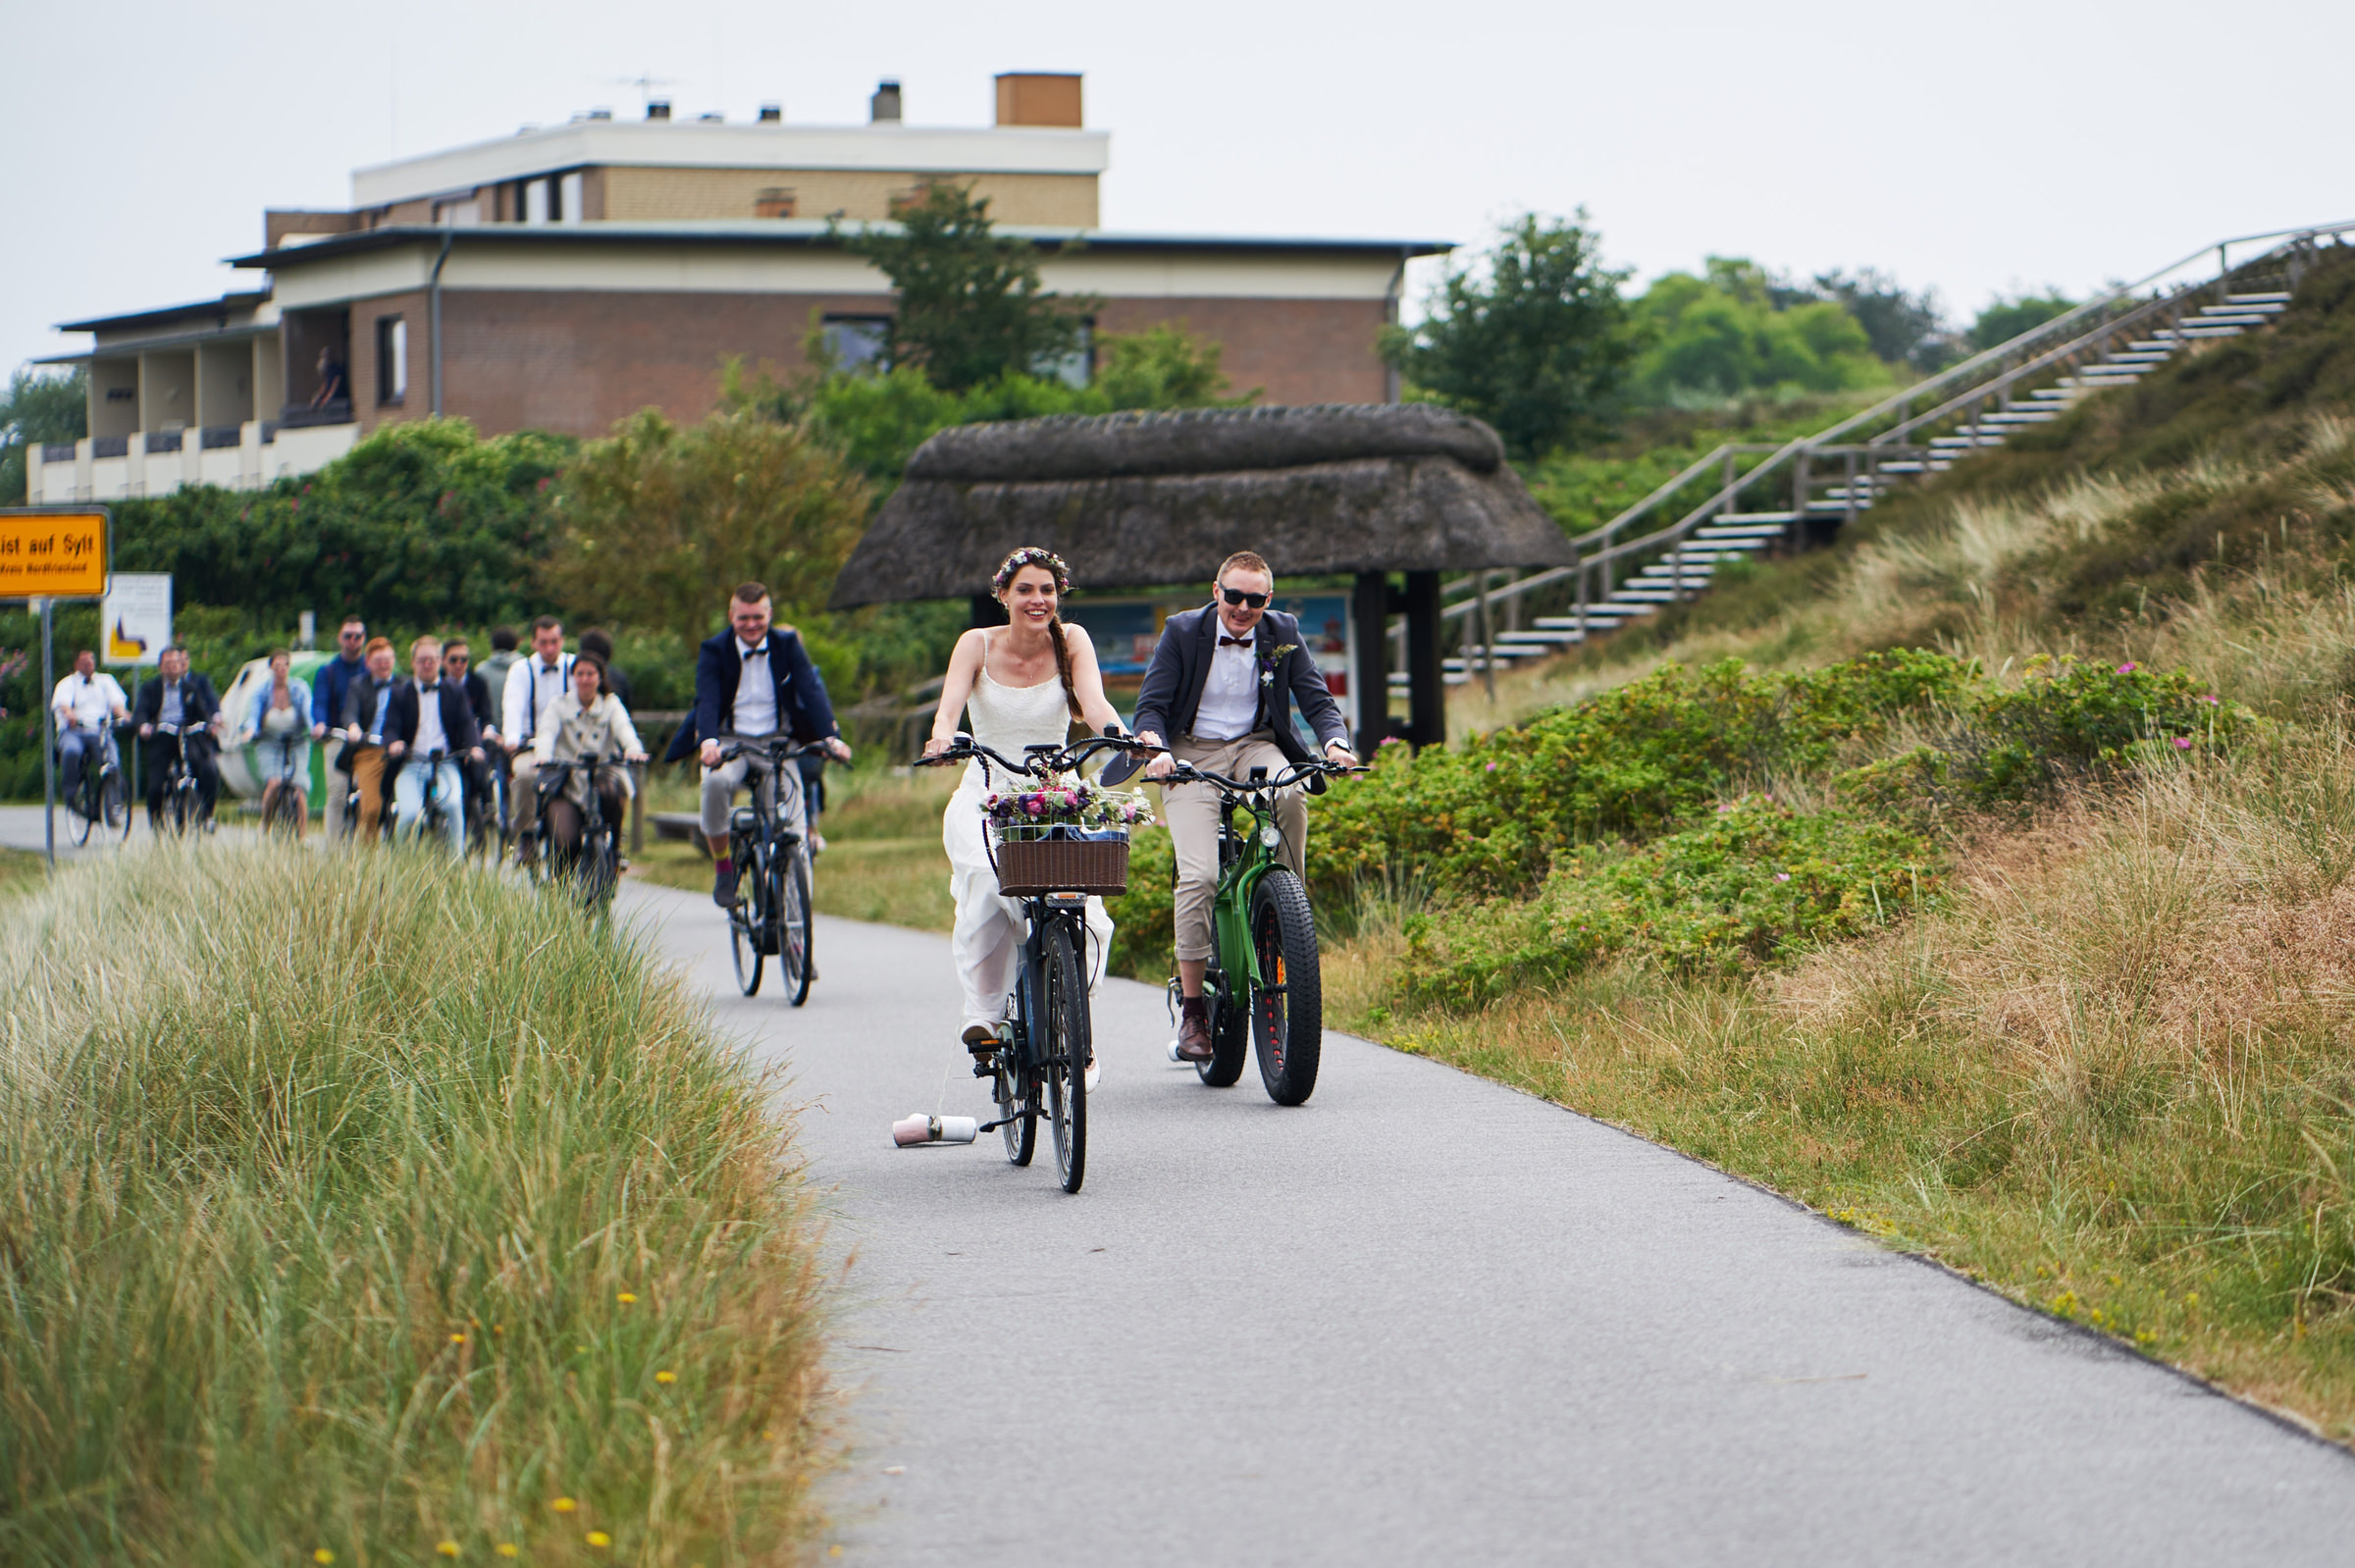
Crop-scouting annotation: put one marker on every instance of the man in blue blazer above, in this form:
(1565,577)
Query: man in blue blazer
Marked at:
(1222,681)
(754,680)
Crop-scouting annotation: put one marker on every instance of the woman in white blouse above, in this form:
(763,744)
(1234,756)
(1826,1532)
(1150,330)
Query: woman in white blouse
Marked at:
(587,722)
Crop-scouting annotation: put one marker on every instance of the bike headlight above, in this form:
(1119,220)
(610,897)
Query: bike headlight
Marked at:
(1272,836)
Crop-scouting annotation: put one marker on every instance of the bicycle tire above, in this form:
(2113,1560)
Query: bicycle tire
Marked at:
(599,870)
(747,932)
(1230,1039)
(78,826)
(792,901)
(1288,1018)
(1064,1015)
(114,797)
(1014,1093)
(180,808)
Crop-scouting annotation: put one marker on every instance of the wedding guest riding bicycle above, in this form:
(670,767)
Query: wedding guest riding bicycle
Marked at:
(533,685)
(587,723)
(1222,681)
(361,763)
(752,681)
(331,690)
(82,702)
(177,699)
(276,724)
(429,728)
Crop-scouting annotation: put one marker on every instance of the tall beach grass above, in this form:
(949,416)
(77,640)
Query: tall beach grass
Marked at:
(362,1207)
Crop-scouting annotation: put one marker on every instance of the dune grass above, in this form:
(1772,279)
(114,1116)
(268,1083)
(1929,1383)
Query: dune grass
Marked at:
(359,1206)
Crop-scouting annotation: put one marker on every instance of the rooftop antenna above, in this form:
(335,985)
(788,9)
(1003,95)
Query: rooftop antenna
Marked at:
(645,86)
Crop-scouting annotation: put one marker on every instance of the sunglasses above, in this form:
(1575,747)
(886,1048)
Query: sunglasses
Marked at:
(1235,595)
(356,637)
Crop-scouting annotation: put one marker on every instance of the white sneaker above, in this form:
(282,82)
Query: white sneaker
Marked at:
(1095,1072)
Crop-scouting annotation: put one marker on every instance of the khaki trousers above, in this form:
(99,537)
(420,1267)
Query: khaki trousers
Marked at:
(367,771)
(1192,813)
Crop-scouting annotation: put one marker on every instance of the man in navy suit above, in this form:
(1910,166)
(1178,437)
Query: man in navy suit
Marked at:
(430,730)
(750,681)
(1222,681)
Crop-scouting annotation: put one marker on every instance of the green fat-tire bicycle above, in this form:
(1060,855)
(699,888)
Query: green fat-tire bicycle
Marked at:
(1266,987)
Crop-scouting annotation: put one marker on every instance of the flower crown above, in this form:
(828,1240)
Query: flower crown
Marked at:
(1032,556)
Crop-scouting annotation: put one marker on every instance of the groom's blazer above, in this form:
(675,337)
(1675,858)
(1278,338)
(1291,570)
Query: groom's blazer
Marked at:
(1173,690)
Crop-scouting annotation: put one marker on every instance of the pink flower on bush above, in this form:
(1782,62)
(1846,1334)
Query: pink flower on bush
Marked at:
(2212,698)
(1782,877)
(2127,669)
(2182,743)
(1492,768)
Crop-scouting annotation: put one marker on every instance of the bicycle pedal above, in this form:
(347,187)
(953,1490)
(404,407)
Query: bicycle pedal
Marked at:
(986,1067)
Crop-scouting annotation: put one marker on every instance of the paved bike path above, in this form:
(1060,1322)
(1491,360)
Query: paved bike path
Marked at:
(1427,1320)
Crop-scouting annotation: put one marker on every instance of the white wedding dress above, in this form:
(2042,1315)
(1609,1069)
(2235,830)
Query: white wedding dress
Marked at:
(990,926)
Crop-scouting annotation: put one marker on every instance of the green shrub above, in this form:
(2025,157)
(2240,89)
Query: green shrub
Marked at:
(1144,924)
(1754,883)
(2073,720)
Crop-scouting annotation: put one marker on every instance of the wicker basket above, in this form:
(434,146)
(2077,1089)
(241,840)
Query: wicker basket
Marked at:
(1061,859)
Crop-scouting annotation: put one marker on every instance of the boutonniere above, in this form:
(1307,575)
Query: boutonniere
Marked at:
(1273,658)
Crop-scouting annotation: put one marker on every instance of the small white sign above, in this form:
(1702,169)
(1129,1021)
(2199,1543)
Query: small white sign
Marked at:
(138,617)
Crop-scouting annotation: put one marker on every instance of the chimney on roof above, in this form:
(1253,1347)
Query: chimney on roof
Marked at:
(772,114)
(600,114)
(658,109)
(1039,98)
(885,104)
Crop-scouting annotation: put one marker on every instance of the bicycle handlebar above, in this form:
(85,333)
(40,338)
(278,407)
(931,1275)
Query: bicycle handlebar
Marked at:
(778,748)
(1038,761)
(1188,773)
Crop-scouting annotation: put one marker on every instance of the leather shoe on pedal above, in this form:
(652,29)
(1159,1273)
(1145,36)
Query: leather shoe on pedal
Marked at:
(1193,1036)
(980,1038)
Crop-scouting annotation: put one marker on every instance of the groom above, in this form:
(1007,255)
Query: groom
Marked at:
(1222,681)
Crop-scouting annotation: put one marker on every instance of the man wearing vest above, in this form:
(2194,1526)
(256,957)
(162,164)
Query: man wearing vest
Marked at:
(532,685)
(752,681)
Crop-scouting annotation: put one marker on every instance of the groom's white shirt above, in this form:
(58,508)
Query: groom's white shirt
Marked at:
(1230,701)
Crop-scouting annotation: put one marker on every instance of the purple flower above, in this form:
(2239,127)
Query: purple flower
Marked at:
(2182,743)
(1492,768)
(2127,669)
(1782,877)
(2212,700)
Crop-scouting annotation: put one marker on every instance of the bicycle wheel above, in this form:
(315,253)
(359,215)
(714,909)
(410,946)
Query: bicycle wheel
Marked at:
(745,930)
(78,826)
(114,799)
(1015,1092)
(791,886)
(1229,1038)
(597,871)
(180,808)
(1287,1007)
(1064,1018)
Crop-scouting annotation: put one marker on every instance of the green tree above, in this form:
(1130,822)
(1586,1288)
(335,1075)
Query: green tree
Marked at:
(2006,319)
(1904,328)
(1735,329)
(38,408)
(1165,366)
(1536,342)
(971,305)
(659,522)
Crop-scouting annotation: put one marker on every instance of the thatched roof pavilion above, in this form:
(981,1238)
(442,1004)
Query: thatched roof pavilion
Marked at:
(1147,500)
(1143,499)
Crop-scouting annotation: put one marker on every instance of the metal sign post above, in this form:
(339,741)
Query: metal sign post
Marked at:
(48,737)
(48,554)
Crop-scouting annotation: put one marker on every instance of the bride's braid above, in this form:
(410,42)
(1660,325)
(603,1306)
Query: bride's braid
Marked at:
(1047,559)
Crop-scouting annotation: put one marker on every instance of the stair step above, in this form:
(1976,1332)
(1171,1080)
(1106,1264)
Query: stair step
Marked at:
(1645,595)
(2154,356)
(2238,315)
(1904,465)
(1547,639)
(2156,345)
(2017,417)
(2054,394)
(1743,518)
(2212,330)
(2257,300)
(1731,534)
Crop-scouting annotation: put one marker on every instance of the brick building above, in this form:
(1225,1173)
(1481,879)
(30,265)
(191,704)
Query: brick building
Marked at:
(568,276)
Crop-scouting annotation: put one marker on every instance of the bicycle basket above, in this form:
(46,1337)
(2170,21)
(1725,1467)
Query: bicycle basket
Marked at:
(1059,858)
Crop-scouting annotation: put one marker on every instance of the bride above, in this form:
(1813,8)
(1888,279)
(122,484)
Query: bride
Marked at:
(1024,683)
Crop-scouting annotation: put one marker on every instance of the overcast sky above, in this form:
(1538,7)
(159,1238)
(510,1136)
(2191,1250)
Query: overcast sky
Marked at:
(1973,149)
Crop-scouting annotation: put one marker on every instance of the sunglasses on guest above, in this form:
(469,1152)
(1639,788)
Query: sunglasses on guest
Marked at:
(1235,595)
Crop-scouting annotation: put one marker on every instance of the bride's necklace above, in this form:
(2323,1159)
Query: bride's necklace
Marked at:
(1025,664)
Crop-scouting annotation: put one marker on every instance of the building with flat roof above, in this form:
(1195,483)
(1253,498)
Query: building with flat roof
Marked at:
(568,276)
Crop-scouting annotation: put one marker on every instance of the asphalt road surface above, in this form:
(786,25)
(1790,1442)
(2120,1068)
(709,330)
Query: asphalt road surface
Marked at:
(1427,1320)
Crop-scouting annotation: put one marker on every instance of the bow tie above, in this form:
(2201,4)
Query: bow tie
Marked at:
(754,652)
(1234,641)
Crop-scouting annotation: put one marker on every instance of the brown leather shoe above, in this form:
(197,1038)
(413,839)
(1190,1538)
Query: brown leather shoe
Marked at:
(1193,1034)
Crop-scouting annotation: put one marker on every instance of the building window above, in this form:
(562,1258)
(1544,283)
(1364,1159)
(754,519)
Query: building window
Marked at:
(857,344)
(459,214)
(568,198)
(775,203)
(535,201)
(1076,368)
(392,360)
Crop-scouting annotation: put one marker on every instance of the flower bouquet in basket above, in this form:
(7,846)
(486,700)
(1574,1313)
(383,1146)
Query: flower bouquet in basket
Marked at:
(1064,838)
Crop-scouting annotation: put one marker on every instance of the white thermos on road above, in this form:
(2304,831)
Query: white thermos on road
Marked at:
(921,1128)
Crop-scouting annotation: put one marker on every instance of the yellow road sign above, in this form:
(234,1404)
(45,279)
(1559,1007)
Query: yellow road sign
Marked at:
(60,554)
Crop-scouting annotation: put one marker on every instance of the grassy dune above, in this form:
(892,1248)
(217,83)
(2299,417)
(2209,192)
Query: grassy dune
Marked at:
(2106,1069)
(359,1207)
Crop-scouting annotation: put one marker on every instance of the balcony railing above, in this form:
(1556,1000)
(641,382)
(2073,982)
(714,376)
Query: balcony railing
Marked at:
(301,416)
